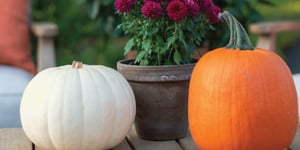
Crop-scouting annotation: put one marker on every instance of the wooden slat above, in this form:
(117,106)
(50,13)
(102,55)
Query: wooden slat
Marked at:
(274,27)
(14,139)
(188,144)
(122,146)
(140,144)
(44,29)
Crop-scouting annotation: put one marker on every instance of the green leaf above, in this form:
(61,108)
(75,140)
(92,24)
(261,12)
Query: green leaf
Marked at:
(160,41)
(171,40)
(129,45)
(180,34)
(140,56)
(144,62)
(153,31)
(146,44)
(211,27)
(177,57)
(198,40)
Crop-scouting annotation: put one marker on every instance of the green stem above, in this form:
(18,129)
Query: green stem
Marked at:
(239,38)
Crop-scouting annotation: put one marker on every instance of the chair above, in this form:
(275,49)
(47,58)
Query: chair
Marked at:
(267,32)
(13,76)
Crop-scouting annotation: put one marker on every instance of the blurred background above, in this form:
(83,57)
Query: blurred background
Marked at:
(87,27)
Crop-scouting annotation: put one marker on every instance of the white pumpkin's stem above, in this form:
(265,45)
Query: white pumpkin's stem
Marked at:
(77,64)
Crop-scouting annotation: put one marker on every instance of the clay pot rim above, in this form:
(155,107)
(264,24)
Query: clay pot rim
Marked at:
(166,73)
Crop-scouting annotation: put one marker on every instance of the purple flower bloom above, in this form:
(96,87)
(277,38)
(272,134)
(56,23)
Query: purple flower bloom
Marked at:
(156,1)
(205,4)
(177,10)
(210,9)
(152,10)
(193,7)
(212,14)
(145,1)
(124,5)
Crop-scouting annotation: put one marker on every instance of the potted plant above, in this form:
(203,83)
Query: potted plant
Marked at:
(165,34)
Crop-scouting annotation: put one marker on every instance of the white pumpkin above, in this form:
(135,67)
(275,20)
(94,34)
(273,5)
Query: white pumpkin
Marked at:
(78,107)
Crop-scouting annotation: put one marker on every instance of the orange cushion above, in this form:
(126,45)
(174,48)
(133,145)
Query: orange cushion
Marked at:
(14,35)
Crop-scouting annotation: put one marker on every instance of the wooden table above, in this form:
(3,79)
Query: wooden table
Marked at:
(15,139)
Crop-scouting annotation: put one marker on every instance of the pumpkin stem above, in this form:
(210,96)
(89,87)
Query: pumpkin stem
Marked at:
(77,64)
(239,38)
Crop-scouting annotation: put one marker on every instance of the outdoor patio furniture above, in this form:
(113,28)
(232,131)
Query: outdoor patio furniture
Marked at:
(13,78)
(267,32)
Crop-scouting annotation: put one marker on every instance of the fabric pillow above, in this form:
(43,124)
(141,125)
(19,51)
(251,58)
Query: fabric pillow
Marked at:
(11,94)
(14,35)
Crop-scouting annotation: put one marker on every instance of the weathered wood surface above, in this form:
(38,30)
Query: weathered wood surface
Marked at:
(15,139)
(140,144)
(267,32)
(45,33)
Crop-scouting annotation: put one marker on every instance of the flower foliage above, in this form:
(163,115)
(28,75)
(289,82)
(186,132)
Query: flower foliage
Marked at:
(166,32)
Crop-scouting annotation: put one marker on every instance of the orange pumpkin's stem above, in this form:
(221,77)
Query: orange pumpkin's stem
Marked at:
(239,38)
(77,64)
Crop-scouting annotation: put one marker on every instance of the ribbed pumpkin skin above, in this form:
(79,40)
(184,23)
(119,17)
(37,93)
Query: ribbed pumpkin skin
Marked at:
(242,100)
(65,108)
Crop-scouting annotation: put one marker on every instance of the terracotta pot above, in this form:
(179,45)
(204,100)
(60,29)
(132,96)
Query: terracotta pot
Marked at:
(161,99)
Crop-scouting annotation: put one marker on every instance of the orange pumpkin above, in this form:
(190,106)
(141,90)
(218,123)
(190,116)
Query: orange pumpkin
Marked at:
(242,98)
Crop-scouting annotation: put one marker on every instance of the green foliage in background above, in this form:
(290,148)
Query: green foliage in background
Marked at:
(80,38)
(87,27)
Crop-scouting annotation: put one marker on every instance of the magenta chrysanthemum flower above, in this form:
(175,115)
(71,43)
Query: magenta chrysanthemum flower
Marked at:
(152,10)
(205,5)
(124,5)
(212,14)
(156,1)
(210,9)
(193,7)
(177,10)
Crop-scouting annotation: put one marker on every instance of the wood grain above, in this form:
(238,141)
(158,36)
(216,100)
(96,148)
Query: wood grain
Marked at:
(14,139)
(274,27)
(140,144)
(45,33)
(122,146)
(267,32)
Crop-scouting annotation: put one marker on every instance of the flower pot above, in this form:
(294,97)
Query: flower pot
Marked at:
(161,99)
